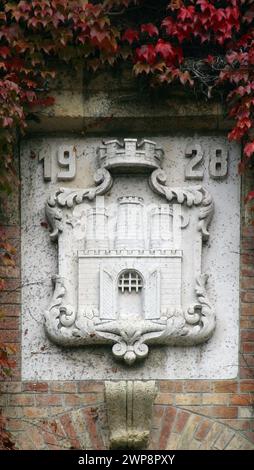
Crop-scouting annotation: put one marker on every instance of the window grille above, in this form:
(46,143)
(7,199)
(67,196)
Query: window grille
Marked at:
(130,281)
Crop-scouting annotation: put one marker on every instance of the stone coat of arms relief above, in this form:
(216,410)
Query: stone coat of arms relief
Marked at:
(130,257)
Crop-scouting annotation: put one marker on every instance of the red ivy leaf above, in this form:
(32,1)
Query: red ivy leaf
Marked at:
(146,53)
(249,197)
(164,48)
(130,35)
(4,52)
(210,59)
(150,29)
(249,149)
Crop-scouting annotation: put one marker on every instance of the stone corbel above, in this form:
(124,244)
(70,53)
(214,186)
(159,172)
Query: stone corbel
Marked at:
(129,409)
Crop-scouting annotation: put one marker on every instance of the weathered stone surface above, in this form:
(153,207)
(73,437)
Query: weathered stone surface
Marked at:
(215,359)
(91,104)
(129,409)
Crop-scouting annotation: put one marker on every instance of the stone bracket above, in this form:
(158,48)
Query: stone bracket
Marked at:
(129,409)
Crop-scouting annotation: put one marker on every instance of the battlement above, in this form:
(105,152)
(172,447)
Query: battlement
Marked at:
(130,153)
(130,253)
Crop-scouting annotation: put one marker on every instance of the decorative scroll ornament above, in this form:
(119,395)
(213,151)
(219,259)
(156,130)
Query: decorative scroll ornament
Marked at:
(192,326)
(128,289)
(191,196)
(68,198)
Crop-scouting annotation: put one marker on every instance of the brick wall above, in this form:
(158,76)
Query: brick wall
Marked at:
(188,414)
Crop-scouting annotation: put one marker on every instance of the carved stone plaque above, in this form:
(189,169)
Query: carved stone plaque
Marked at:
(134,272)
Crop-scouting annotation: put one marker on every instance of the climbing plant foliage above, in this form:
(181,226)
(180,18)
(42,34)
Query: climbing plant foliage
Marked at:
(206,46)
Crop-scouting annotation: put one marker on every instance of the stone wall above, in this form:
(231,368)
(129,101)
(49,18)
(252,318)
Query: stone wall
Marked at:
(187,414)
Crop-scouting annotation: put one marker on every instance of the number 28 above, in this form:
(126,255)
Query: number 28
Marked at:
(218,164)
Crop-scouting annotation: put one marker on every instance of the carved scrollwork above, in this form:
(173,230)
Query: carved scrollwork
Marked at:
(190,326)
(191,196)
(193,325)
(67,316)
(68,197)
(59,318)
(54,217)
(207,314)
(130,338)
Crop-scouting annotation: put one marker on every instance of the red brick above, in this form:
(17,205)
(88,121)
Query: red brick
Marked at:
(247,258)
(3,400)
(180,421)
(188,399)
(70,431)
(171,386)
(10,387)
(37,437)
(247,386)
(93,386)
(248,231)
(247,360)
(197,386)
(23,441)
(247,347)
(248,282)
(250,436)
(246,372)
(247,323)
(247,297)
(10,231)
(9,323)
(12,285)
(82,399)
(154,439)
(167,426)
(35,412)
(10,310)
(215,398)
(238,424)
(48,400)
(247,270)
(247,335)
(247,309)
(91,418)
(215,411)
(10,297)
(15,425)
(248,244)
(21,400)
(164,399)
(35,387)
(50,439)
(63,387)
(56,427)
(242,400)
(9,271)
(11,336)
(158,413)
(224,386)
(203,429)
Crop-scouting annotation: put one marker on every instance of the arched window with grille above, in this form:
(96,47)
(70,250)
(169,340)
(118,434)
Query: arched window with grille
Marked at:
(130,285)
(130,280)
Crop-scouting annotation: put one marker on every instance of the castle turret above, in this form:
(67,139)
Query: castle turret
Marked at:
(162,228)
(97,229)
(130,223)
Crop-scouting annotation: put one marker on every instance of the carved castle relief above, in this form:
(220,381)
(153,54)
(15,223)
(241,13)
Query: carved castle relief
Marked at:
(130,266)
